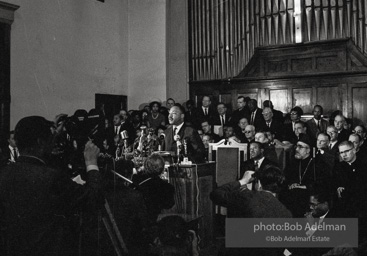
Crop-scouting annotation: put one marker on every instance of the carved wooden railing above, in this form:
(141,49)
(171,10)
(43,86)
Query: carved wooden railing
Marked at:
(224,33)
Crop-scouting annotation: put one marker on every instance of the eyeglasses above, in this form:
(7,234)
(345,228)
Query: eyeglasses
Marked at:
(301,147)
(313,205)
(248,131)
(293,114)
(345,151)
(358,132)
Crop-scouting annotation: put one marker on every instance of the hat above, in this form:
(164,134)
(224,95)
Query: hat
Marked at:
(305,139)
(29,129)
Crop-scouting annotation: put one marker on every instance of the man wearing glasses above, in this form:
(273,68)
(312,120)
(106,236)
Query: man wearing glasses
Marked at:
(362,132)
(333,133)
(350,179)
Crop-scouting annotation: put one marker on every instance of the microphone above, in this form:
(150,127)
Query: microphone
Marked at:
(185,145)
(178,143)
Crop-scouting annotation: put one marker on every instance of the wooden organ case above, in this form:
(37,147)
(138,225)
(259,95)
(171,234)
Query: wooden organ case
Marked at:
(332,73)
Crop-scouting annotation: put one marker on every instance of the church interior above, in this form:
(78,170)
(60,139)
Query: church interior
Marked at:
(308,58)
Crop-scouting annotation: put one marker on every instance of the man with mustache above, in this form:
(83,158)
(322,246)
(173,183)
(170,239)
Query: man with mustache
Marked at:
(178,132)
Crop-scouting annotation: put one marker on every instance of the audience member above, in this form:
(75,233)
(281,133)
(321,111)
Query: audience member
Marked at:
(302,173)
(259,203)
(242,111)
(170,103)
(333,133)
(192,115)
(206,111)
(269,148)
(221,118)
(158,194)
(10,154)
(323,153)
(208,130)
(257,159)
(38,201)
(289,125)
(357,142)
(278,115)
(256,117)
(350,178)
(206,140)
(274,125)
(339,123)
(128,206)
(155,119)
(317,124)
(175,238)
(240,129)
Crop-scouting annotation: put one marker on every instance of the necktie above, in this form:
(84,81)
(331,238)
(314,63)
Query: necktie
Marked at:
(222,120)
(15,154)
(115,130)
(252,117)
(268,124)
(256,165)
(318,125)
(174,132)
(206,111)
(330,146)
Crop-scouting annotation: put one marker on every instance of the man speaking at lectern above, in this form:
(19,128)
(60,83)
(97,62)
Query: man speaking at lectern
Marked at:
(178,134)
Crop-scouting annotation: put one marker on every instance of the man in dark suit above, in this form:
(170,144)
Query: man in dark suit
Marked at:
(339,123)
(207,129)
(241,112)
(206,111)
(357,142)
(178,131)
(10,153)
(222,117)
(277,115)
(334,143)
(191,115)
(257,159)
(317,124)
(37,201)
(259,203)
(350,180)
(323,153)
(256,117)
(125,125)
(274,125)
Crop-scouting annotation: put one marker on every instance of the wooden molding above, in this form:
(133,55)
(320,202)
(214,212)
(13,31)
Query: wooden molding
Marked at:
(321,57)
(7,12)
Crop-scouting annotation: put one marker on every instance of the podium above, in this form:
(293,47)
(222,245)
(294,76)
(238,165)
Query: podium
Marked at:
(193,185)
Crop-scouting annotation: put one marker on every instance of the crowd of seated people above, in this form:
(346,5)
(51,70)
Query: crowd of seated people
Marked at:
(324,153)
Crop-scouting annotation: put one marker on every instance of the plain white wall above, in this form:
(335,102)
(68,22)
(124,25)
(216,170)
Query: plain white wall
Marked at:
(65,51)
(147,51)
(177,50)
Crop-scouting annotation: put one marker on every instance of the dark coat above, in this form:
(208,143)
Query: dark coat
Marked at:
(158,194)
(237,115)
(244,203)
(249,165)
(276,127)
(195,145)
(216,120)
(37,203)
(313,129)
(353,177)
(258,119)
